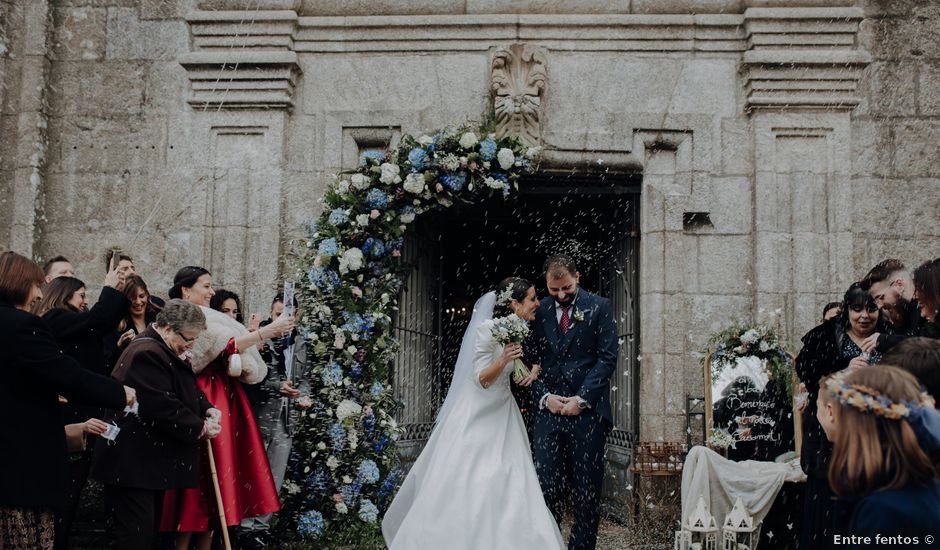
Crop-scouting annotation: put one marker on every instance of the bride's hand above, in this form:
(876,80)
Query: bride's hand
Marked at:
(535,370)
(511,352)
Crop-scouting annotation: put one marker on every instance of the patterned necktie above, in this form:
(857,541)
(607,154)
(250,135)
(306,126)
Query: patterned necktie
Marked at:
(565,320)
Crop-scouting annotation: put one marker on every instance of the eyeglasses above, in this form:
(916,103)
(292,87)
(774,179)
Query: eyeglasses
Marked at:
(185,339)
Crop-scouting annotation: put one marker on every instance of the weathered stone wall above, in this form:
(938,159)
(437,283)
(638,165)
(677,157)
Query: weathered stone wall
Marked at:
(186,134)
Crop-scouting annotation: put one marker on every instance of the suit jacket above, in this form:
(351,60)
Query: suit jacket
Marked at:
(581,362)
(157,448)
(34,468)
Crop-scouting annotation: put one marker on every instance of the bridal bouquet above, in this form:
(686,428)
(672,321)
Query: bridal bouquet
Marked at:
(512,330)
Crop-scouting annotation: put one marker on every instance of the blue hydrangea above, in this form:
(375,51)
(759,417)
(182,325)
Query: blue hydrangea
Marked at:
(389,484)
(318,482)
(338,436)
(380,443)
(351,492)
(368,512)
(338,216)
(417,157)
(355,372)
(373,247)
(368,422)
(395,244)
(377,156)
(311,524)
(357,324)
(487,149)
(455,182)
(326,280)
(328,247)
(332,374)
(376,389)
(368,471)
(377,199)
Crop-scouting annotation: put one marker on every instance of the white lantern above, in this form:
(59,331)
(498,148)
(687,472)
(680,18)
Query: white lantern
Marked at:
(738,531)
(699,532)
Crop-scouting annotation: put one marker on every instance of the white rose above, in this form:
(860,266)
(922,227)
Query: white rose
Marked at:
(347,408)
(493,183)
(321,445)
(341,508)
(450,162)
(407,217)
(362,219)
(425,140)
(468,140)
(342,187)
(533,152)
(361,181)
(505,157)
(332,463)
(353,438)
(351,260)
(414,183)
(389,174)
(347,480)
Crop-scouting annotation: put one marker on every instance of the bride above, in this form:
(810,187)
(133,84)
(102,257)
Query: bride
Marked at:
(474,485)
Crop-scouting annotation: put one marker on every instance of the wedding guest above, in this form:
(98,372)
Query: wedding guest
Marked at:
(921,357)
(276,415)
(891,286)
(877,458)
(34,473)
(121,262)
(59,266)
(141,313)
(223,355)
(228,303)
(827,348)
(80,333)
(156,449)
(927,293)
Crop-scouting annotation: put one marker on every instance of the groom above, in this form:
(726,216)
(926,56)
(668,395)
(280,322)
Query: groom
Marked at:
(575,339)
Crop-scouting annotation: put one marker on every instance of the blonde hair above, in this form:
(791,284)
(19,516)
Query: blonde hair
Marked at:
(873,452)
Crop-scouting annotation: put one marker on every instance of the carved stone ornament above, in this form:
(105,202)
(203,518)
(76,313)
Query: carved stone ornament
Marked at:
(518,80)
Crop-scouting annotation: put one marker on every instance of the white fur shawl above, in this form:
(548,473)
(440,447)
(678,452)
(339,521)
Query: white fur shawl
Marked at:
(220,328)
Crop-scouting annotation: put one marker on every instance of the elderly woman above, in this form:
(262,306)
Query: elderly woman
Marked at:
(33,468)
(832,346)
(157,449)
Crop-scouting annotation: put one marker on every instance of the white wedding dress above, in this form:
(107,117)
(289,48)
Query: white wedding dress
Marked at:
(474,486)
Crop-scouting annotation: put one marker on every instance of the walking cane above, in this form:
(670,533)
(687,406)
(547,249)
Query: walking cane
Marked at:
(218,496)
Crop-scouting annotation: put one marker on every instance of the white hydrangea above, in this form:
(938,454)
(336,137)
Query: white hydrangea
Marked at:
(450,162)
(342,187)
(351,260)
(468,140)
(425,140)
(750,336)
(347,408)
(505,157)
(332,463)
(352,437)
(362,219)
(533,152)
(361,181)
(341,508)
(321,445)
(390,174)
(493,183)
(407,217)
(414,183)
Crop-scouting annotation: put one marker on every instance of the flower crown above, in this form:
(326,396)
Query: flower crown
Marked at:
(869,400)
(504,297)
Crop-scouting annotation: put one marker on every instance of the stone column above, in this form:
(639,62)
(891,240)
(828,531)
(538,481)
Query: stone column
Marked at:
(801,74)
(242,73)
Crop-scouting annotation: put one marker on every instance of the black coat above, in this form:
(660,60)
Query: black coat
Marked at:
(156,449)
(916,326)
(33,465)
(81,335)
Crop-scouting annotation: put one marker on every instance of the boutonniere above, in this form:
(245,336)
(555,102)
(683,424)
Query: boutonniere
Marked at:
(578,315)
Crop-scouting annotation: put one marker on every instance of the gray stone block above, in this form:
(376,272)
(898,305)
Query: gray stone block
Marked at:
(724,262)
(99,89)
(872,147)
(891,89)
(80,33)
(917,148)
(130,37)
(928,90)
(114,144)
(652,383)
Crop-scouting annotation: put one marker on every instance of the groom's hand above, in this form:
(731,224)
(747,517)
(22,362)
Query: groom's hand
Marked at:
(571,407)
(556,403)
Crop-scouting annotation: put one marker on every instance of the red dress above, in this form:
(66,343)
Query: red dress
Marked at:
(245,479)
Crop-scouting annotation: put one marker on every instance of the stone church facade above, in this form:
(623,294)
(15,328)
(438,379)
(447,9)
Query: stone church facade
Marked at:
(784,146)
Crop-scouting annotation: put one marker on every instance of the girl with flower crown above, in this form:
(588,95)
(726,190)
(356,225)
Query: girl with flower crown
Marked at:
(881,425)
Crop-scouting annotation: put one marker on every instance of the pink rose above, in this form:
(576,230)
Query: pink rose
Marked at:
(396,253)
(357,292)
(338,497)
(374,214)
(439,188)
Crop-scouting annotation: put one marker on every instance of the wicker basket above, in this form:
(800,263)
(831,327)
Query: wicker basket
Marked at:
(659,459)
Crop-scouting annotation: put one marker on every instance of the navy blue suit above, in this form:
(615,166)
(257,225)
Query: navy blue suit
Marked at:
(569,450)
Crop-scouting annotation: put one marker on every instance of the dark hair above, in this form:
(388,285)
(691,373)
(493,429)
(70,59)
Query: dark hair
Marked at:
(557,264)
(56,295)
(18,274)
(220,296)
(927,284)
(881,271)
(132,284)
(279,297)
(857,295)
(46,267)
(120,258)
(919,356)
(518,289)
(830,305)
(186,278)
